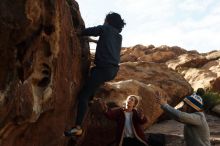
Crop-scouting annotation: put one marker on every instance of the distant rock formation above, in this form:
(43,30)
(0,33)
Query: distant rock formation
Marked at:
(43,64)
(199,69)
(151,53)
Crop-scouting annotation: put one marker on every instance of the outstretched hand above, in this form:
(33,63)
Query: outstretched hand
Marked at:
(159,99)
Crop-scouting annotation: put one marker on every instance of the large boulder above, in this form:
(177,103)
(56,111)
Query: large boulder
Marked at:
(150,53)
(186,61)
(201,70)
(41,70)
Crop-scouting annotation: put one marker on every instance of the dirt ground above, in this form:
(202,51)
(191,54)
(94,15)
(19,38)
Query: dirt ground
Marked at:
(172,132)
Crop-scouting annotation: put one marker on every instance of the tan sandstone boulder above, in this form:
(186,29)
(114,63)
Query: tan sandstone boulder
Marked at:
(200,70)
(150,53)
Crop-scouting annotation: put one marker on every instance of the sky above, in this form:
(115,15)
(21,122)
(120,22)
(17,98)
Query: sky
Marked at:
(189,24)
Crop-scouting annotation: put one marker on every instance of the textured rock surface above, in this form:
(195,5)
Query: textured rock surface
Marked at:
(150,53)
(41,68)
(200,70)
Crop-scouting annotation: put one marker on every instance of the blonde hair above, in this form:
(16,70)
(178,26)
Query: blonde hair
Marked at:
(136,99)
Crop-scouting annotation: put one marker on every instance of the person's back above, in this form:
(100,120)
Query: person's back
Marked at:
(108,47)
(197,135)
(196,129)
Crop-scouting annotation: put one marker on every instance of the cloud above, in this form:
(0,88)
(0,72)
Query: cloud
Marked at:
(195,5)
(190,24)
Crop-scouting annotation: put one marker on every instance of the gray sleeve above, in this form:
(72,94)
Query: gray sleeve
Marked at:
(183,117)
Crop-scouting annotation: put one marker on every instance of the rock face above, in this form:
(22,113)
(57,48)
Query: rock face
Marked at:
(151,53)
(139,78)
(41,70)
(200,70)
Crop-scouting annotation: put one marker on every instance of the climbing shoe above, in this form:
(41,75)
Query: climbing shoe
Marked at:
(76,131)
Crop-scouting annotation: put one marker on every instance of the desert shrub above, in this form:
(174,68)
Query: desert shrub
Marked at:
(210,99)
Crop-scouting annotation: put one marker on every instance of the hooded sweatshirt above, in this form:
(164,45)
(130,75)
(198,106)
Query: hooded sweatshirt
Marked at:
(196,129)
(109,45)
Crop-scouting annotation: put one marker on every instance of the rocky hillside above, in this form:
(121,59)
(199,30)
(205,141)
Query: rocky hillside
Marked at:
(199,69)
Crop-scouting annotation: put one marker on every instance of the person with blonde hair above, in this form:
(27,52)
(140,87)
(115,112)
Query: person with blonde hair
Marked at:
(129,131)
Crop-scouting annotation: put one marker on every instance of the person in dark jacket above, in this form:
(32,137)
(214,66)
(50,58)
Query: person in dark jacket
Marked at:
(129,131)
(107,58)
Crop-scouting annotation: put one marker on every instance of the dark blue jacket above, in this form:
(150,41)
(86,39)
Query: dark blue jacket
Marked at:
(108,46)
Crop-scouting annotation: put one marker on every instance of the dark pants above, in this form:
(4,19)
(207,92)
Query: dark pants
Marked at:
(98,76)
(132,142)
(156,140)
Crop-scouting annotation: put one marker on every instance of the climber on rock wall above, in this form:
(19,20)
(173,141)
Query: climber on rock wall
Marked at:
(107,58)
